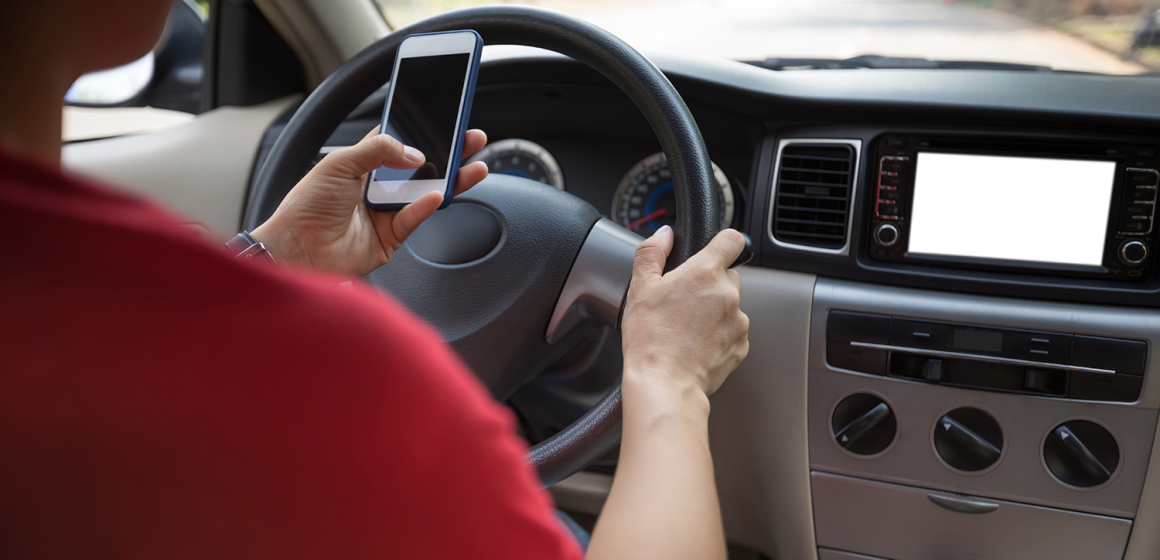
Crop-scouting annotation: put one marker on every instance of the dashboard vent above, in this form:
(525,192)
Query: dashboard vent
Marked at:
(814,190)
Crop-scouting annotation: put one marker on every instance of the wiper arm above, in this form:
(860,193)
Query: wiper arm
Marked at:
(875,61)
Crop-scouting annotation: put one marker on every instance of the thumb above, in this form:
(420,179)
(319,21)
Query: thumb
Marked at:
(379,150)
(649,261)
(723,249)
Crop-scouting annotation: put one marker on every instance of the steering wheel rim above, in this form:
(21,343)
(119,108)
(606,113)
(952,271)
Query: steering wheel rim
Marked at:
(598,431)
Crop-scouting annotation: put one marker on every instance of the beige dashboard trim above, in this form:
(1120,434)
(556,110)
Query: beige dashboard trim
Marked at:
(583,492)
(757,428)
(201,169)
(93,123)
(1144,542)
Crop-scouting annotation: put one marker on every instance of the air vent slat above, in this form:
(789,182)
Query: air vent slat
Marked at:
(793,221)
(814,187)
(821,158)
(811,197)
(822,210)
(793,182)
(815,170)
(820,235)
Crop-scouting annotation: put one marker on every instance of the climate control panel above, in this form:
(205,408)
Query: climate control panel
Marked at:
(1034,406)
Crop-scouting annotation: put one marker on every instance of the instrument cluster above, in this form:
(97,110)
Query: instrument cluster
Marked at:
(644,200)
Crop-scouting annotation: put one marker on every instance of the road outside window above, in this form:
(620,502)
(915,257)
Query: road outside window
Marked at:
(1104,36)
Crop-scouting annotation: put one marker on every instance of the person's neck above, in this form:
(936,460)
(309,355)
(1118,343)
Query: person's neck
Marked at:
(30,119)
(32,91)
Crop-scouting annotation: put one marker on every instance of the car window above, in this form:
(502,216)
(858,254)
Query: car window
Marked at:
(1104,36)
(160,90)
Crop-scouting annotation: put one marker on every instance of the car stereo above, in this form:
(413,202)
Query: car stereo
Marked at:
(1047,208)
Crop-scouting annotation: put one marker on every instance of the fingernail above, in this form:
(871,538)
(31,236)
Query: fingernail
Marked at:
(412,154)
(663,230)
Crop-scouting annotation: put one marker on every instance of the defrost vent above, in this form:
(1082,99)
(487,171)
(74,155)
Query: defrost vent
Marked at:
(813,195)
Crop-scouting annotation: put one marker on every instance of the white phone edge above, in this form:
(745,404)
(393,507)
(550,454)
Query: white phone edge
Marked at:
(412,47)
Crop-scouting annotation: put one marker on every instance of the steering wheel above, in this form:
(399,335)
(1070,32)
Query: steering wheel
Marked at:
(512,272)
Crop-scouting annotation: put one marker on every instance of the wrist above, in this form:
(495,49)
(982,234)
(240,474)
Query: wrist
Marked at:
(652,391)
(279,241)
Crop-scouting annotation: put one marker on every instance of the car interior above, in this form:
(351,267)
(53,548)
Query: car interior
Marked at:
(950,290)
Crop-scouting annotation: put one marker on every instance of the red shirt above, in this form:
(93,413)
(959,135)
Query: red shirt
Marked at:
(159,399)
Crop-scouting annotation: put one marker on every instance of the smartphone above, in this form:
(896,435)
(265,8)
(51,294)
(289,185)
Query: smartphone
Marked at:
(428,105)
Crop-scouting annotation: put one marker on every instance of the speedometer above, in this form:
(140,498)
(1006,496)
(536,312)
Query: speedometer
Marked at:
(646,199)
(521,158)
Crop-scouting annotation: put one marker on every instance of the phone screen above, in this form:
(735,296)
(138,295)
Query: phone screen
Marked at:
(423,113)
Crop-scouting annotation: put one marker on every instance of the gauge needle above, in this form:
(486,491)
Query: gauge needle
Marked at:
(647,218)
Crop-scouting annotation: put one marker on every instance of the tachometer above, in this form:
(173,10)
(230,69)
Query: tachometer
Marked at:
(521,158)
(645,199)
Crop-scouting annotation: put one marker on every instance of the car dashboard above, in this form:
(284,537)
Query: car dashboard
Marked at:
(897,403)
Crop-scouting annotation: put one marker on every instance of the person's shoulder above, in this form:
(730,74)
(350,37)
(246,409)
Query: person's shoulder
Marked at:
(69,237)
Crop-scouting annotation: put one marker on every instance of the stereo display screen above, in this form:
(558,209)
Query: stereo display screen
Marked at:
(1012,208)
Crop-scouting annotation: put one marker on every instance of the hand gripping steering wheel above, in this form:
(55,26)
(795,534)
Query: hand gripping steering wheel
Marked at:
(510,272)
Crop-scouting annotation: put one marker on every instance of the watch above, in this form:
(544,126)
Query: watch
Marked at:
(243,246)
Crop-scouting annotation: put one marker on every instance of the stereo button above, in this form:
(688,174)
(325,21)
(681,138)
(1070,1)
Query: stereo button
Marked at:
(895,166)
(886,235)
(885,209)
(1132,225)
(1143,195)
(1143,177)
(1135,209)
(1133,252)
(890,181)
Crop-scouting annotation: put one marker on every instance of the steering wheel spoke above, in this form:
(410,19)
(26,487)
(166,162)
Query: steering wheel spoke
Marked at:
(598,282)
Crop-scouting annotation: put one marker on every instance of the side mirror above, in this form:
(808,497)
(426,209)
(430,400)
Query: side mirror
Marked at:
(114,87)
(169,77)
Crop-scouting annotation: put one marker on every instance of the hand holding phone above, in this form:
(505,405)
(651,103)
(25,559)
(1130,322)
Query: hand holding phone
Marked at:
(428,106)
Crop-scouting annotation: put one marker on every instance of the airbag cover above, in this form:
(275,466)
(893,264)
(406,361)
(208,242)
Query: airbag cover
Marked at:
(458,234)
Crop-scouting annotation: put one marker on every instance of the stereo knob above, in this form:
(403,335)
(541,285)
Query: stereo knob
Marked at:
(1081,454)
(886,235)
(863,424)
(1133,252)
(968,439)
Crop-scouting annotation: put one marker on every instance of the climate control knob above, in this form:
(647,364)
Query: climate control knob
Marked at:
(1133,252)
(1081,454)
(886,235)
(863,424)
(968,439)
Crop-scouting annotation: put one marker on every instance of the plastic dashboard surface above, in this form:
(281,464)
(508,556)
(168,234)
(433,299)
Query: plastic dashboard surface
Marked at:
(744,112)
(859,265)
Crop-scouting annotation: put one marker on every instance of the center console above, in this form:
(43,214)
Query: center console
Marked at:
(955,426)
(960,426)
(980,375)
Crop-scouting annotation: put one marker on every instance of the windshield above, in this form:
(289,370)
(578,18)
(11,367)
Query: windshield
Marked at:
(1104,36)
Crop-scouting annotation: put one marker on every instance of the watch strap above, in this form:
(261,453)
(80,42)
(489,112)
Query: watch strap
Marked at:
(244,246)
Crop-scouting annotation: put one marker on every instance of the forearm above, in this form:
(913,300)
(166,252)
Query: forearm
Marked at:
(663,502)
